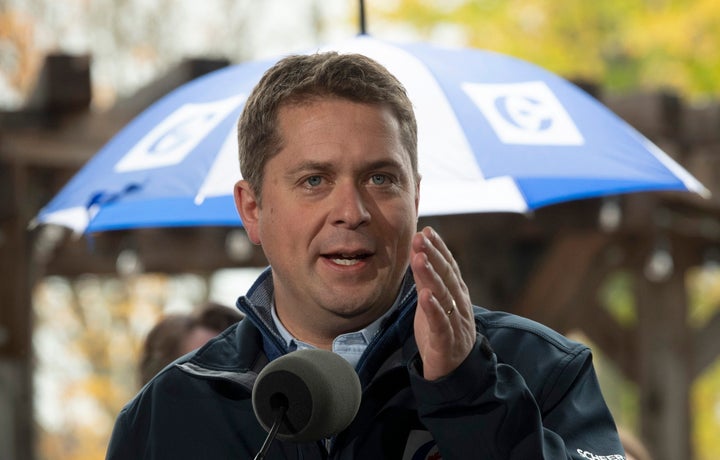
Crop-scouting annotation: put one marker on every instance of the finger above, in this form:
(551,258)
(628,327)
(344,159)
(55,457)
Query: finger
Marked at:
(445,266)
(438,320)
(428,279)
(442,250)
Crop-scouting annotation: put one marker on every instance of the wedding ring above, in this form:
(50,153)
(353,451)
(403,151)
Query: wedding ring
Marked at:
(452,309)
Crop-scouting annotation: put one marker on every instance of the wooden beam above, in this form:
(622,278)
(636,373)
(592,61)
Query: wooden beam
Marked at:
(555,282)
(63,85)
(701,124)
(655,114)
(32,147)
(167,250)
(58,130)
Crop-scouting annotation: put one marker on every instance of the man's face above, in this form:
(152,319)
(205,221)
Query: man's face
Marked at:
(339,208)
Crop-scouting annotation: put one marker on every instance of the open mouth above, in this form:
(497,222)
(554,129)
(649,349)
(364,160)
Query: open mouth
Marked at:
(347,259)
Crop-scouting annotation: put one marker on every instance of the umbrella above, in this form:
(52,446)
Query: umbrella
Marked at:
(496,134)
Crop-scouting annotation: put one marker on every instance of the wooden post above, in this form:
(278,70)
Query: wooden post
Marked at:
(16,426)
(664,370)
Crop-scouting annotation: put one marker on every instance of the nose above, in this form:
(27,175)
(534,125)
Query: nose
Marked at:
(349,206)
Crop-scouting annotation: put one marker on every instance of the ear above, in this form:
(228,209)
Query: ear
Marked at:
(248,208)
(417,195)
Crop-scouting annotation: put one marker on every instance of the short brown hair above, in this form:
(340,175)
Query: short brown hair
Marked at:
(302,78)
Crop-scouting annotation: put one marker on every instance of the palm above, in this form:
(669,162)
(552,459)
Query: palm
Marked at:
(444,325)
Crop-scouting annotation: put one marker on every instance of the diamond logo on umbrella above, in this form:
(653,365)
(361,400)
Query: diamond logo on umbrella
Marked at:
(172,140)
(525,113)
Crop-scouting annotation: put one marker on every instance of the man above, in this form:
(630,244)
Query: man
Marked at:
(328,152)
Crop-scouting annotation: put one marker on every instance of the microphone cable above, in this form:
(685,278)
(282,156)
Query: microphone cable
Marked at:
(279,414)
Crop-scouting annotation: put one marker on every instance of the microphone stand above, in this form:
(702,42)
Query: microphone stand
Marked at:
(279,414)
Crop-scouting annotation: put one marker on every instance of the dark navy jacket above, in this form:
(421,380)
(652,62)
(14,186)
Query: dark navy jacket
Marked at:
(525,392)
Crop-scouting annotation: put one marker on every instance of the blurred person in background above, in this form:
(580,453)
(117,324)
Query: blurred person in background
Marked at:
(178,334)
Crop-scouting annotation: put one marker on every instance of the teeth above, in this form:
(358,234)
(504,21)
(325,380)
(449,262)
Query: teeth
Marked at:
(346,261)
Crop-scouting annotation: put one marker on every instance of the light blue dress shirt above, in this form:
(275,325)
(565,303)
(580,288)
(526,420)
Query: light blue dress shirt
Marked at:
(350,345)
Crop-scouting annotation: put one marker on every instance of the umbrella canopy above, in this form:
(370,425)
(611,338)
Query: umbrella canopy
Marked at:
(496,134)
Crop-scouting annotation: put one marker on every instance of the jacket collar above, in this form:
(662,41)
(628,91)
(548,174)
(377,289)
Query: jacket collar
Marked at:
(246,348)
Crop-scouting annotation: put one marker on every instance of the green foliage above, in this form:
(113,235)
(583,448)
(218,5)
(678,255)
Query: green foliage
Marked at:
(706,402)
(704,294)
(621,44)
(617,297)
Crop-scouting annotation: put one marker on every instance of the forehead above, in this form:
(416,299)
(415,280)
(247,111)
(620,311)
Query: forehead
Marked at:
(329,126)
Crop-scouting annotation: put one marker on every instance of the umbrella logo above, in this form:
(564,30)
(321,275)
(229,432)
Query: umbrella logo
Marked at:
(526,113)
(177,135)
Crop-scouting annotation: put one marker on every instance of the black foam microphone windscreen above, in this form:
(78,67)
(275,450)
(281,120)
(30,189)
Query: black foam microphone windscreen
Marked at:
(319,389)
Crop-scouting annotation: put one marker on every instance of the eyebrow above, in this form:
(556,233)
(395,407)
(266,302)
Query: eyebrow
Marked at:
(309,166)
(324,166)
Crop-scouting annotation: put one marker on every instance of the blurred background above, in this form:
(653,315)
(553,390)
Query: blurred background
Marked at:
(637,277)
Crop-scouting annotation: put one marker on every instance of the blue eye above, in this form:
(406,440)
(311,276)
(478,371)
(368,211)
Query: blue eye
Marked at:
(378,179)
(314,181)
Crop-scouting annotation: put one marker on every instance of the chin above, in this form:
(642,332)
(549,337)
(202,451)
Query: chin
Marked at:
(348,308)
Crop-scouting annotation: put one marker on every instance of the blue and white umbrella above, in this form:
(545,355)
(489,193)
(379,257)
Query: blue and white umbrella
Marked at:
(496,134)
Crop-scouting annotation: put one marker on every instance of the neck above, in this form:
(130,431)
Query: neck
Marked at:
(318,333)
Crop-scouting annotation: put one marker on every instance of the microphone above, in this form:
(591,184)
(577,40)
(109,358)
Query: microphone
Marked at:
(306,395)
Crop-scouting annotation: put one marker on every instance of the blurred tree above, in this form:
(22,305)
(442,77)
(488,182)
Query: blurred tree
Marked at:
(621,44)
(132,41)
(18,62)
(88,334)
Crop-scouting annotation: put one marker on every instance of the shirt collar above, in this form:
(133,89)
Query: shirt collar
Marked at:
(350,345)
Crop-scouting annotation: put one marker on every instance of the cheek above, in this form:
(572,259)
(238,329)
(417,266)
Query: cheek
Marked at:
(266,225)
(400,226)
(280,226)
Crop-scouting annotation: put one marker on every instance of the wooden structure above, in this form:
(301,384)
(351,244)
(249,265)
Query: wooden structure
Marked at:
(547,266)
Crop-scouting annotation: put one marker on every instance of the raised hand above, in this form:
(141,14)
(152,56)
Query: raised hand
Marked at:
(444,324)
